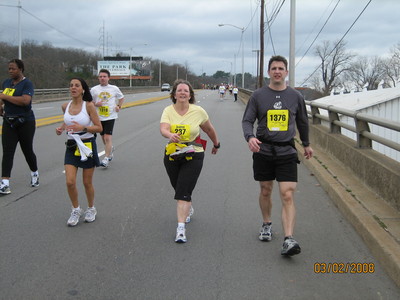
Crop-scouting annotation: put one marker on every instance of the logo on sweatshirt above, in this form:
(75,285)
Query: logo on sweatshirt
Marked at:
(278,105)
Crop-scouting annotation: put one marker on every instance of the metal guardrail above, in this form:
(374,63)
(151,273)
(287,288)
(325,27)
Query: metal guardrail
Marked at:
(361,124)
(64,91)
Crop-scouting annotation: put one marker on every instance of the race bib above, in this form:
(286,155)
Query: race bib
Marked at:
(78,153)
(278,120)
(9,91)
(183,130)
(104,111)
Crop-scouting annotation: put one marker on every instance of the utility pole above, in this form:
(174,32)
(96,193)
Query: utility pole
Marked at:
(261,77)
(292,43)
(258,68)
(19,31)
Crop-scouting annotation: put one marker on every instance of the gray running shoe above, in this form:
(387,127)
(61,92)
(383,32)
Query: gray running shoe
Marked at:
(4,189)
(180,235)
(184,151)
(74,218)
(265,233)
(104,163)
(290,247)
(191,211)
(90,214)
(35,180)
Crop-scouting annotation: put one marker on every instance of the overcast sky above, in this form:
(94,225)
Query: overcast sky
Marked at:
(187,31)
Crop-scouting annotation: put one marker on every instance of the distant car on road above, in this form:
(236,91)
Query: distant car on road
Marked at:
(165,87)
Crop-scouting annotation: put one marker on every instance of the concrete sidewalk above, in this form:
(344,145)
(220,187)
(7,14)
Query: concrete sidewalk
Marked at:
(375,220)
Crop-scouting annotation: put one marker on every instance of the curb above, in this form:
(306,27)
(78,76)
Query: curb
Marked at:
(381,244)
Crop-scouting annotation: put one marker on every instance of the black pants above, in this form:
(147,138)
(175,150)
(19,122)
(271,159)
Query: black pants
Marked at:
(23,134)
(183,175)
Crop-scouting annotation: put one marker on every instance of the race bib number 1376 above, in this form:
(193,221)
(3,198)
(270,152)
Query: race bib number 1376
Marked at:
(278,119)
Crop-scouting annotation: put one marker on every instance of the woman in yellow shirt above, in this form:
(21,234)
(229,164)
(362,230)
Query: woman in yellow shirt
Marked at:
(181,123)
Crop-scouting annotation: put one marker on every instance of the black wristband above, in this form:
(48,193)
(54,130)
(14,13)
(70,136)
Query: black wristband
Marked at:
(217,146)
(306,144)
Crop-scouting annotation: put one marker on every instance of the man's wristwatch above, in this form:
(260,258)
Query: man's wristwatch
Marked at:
(217,146)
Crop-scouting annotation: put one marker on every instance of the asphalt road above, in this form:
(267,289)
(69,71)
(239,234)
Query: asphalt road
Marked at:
(129,251)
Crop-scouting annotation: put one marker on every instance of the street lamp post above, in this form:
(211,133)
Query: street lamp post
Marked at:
(19,6)
(130,68)
(130,63)
(242,29)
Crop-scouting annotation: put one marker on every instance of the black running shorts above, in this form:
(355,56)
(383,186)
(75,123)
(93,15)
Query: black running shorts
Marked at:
(108,127)
(281,168)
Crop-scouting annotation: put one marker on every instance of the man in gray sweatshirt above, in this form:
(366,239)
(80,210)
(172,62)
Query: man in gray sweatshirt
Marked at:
(278,109)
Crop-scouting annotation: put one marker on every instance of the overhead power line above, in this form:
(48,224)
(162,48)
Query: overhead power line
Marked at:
(315,26)
(270,21)
(56,29)
(323,26)
(344,35)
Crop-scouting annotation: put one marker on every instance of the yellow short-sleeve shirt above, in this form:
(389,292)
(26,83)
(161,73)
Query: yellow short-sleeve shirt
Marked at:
(188,125)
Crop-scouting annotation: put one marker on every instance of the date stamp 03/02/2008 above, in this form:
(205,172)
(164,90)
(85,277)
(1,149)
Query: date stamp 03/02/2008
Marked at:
(344,268)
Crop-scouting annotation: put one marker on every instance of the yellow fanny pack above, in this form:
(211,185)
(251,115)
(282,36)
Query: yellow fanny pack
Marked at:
(177,151)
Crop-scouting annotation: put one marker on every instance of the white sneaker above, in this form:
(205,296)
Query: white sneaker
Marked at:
(90,214)
(191,211)
(74,218)
(104,163)
(265,232)
(35,180)
(180,235)
(4,189)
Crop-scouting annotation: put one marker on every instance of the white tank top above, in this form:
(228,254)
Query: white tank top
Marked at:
(82,118)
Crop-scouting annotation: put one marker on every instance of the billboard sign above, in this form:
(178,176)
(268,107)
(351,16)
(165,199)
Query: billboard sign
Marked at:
(116,68)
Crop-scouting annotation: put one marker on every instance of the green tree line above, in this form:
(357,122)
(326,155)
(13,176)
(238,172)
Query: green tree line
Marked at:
(51,67)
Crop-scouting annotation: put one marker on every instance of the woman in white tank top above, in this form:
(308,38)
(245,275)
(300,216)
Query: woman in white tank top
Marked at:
(82,121)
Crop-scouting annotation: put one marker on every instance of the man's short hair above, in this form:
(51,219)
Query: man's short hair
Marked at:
(277,58)
(105,71)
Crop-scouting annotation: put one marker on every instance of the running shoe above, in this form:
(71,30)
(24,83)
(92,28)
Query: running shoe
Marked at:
(35,180)
(191,211)
(4,189)
(180,235)
(90,214)
(290,247)
(110,158)
(74,218)
(104,163)
(182,152)
(265,232)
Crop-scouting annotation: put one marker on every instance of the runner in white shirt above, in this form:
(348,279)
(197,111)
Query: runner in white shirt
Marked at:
(222,91)
(108,98)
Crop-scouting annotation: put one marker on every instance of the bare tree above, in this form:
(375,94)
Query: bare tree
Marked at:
(392,65)
(334,61)
(366,71)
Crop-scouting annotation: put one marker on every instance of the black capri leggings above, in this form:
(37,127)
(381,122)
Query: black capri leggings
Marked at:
(23,134)
(183,175)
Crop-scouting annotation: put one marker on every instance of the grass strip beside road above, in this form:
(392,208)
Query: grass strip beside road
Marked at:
(60,118)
